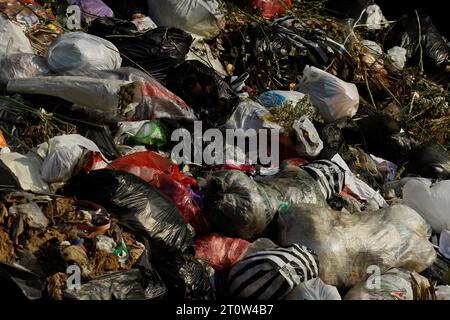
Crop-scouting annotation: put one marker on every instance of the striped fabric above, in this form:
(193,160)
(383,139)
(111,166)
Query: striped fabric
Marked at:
(271,274)
(329,175)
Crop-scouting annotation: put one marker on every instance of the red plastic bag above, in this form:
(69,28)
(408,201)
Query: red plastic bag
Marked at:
(164,175)
(143,164)
(220,252)
(270,8)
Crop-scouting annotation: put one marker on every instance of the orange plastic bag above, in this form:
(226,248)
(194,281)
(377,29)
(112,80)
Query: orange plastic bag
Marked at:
(3,143)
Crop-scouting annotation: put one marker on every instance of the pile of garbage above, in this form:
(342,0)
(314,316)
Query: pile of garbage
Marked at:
(334,187)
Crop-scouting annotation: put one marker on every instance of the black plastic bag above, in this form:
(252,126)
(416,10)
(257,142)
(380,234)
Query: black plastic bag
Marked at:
(429,160)
(240,206)
(435,51)
(157,51)
(204,90)
(186,278)
(122,285)
(382,138)
(140,207)
(337,135)
(30,283)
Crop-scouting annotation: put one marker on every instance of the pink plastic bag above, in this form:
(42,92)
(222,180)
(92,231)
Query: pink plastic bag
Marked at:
(220,252)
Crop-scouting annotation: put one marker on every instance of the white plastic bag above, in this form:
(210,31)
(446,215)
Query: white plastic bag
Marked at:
(314,289)
(63,156)
(310,143)
(12,39)
(109,96)
(26,170)
(332,97)
(348,244)
(432,202)
(80,50)
(201,17)
(398,57)
(22,65)
(375,18)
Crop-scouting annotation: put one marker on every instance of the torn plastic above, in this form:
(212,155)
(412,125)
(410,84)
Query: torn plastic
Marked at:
(201,51)
(22,171)
(310,143)
(13,39)
(21,65)
(242,207)
(359,187)
(348,244)
(431,201)
(332,97)
(80,50)
(139,207)
(314,289)
(201,17)
(143,23)
(220,252)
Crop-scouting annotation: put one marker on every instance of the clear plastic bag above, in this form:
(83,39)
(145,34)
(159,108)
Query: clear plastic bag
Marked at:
(314,289)
(332,97)
(22,65)
(13,39)
(348,244)
(396,284)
